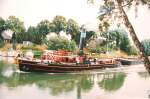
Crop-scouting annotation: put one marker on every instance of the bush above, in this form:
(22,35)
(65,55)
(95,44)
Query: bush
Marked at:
(81,53)
(6,47)
(26,47)
(60,43)
(33,47)
(1,43)
(100,49)
(146,45)
(133,51)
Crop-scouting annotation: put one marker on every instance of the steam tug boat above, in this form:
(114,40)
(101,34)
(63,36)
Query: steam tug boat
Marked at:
(63,62)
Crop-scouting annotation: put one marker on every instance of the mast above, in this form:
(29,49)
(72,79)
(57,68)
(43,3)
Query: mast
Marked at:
(82,38)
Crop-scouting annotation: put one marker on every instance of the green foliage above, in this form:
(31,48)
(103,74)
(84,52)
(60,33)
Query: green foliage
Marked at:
(72,28)
(100,49)
(60,43)
(1,43)
(14,24)
(34,36)
(133,51)
(108,11)
(103,26)
(105,14)
(44,27)
(60,24)
(72,45)
(125,44)
(77,38)
(146,45)
(38,33)
(86,83)
(27,47)
(2,25)
(20,37)
(118,39)
(112,83)
(89,35)
(81,53)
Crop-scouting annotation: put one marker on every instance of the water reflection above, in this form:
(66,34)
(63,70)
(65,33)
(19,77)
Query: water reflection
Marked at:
(7,59)
(59,83)
(68,86)
(144,74)
(56,83)
(112,81)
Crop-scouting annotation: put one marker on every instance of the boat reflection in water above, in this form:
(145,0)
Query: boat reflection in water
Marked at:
(57,84)
(61,83)
(85,85)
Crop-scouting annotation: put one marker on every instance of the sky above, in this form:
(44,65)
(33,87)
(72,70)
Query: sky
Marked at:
(141,23)
(31,12)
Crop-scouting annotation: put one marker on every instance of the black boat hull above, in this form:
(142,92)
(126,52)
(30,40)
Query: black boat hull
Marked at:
(30,66)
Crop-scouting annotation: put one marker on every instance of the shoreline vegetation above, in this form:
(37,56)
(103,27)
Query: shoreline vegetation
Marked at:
(50,35)
(39,49)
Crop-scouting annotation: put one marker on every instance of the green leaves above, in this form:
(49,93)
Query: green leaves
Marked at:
(2,24)
(60,24)
(146,45)
(60,43)
(72,28)
(44,27)
(118,39)
(112,83)
(14,24)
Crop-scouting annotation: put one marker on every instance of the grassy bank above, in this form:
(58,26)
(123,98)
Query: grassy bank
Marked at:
(38,50)
(114,54)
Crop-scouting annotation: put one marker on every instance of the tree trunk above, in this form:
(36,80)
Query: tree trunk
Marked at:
(134,36)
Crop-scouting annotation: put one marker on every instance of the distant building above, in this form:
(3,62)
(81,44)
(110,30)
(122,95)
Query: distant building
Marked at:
(27,43)
(7,35)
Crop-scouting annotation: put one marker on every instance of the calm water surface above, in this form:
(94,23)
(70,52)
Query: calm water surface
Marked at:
(129,82)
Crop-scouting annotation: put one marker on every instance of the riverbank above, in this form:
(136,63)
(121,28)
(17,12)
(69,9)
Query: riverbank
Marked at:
(37,54)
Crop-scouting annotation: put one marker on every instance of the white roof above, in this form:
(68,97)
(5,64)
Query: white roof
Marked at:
(7,34)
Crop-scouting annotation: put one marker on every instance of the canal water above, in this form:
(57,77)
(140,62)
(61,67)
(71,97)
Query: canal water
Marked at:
(125,82)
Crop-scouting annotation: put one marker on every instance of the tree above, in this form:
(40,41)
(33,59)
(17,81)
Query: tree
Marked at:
(89,35)
(52,27)
(116,8)
(119,40)
(20,37)
(1,42)
(44,27)
(72,28)
(132,31)
(34,36)
(125,44)
(60,43)
(2,26)
(146,45)
(60,24)
(14,24)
